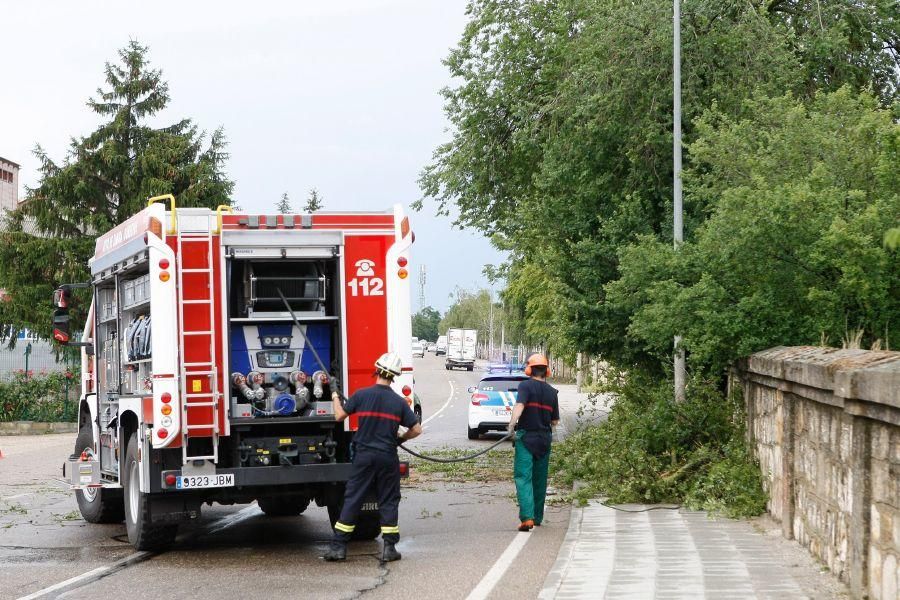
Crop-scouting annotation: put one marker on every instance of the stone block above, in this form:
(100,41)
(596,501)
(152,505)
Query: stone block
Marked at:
(875,573)
(875,520)
(881,442)
(889,578)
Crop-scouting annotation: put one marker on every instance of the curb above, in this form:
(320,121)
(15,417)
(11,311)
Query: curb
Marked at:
(36,428)
(555,577)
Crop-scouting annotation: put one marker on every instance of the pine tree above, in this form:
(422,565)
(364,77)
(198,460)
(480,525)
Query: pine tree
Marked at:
(313,203)
(105,178)
(283,206)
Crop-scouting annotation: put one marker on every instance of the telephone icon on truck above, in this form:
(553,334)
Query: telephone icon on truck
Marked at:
(365,268)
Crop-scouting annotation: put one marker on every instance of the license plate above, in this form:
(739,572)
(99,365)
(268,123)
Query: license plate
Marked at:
(501,412)
(191,482)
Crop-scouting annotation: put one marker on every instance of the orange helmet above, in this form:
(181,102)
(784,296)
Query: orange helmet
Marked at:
(536,360)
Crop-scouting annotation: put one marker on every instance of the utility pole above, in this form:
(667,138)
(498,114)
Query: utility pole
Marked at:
(491,326)
(421,287)
(678,226)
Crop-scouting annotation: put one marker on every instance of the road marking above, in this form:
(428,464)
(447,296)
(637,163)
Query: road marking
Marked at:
(450,397)
(493,577)
(89,576)
(100,572)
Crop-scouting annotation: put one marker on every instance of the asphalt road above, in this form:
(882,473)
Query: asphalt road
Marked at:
(453,533)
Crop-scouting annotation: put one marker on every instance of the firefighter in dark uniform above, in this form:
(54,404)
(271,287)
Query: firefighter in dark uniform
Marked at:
(376,467)
(535,415)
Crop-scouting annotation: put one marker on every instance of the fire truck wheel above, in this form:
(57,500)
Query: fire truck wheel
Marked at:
(283,506)
(141,533)
(97,505)
(418,411)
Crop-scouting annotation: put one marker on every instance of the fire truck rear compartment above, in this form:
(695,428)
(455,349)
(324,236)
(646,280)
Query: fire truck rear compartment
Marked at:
(273,372)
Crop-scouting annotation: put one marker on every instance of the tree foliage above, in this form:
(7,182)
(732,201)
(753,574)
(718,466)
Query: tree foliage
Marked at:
(799,197)
(313,202)
(425,324)
(561,146)
(105,178)
(283,206)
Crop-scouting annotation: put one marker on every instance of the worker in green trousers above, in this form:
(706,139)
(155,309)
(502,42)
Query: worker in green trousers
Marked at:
(535,415)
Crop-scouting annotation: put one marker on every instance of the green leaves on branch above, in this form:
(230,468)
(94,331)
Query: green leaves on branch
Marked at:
(798,199)
(425,324)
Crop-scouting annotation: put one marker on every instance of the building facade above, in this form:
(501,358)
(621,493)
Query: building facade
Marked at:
(9,184)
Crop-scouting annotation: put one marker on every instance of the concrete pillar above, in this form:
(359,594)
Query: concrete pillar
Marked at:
(861,501)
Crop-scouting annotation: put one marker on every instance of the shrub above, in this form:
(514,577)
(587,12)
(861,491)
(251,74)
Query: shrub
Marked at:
(29,397)
(652,450)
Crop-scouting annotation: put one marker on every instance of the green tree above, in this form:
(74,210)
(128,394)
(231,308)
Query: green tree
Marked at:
(106,177)
(793,251)
(283,206)
(425,324)
(313,202)
(562,146)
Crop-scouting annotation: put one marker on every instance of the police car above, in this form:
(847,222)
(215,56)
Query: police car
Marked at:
(493,399)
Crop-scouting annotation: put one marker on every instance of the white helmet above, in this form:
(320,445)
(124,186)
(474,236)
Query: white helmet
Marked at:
(390,364)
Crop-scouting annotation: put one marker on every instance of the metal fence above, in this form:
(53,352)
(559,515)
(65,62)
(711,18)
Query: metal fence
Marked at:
(37,357)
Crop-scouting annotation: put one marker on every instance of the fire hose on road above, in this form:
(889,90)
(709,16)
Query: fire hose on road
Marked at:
(416,454)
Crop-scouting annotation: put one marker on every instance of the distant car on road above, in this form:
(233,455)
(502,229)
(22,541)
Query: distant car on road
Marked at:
(492,402)
(432,347)
(441,346)
(418,349)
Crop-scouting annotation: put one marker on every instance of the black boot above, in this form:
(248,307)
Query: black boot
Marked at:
(390,553)
(337,551)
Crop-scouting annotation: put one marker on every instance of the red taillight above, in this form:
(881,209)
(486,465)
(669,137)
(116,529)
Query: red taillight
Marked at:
(170,479)
(478,398)
(162,433)
(164,263)
(404,469)
(60,336)
(401,262)
(166,397)
(406,390)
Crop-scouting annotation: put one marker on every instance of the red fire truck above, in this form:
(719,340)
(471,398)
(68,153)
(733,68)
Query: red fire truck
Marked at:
(212,343)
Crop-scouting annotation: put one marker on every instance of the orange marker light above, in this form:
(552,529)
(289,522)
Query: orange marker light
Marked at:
(166,409)
(402,273)
(164,276)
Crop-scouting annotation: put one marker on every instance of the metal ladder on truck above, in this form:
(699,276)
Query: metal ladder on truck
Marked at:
(194,367)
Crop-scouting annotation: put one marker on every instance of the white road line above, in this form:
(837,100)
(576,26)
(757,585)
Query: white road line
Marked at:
(493,577)
(450,397)
(95,574)
(90,575)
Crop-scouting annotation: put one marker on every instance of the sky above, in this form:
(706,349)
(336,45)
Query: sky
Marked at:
(340,95)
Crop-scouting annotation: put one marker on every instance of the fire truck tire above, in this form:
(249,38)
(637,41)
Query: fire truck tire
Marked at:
(418,411)
(142,534)
(97,505)
(283,506)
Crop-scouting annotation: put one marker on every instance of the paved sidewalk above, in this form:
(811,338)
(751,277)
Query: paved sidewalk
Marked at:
(678,554)
(578,409)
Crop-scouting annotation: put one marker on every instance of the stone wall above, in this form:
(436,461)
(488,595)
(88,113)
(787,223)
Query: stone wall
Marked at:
(825,424)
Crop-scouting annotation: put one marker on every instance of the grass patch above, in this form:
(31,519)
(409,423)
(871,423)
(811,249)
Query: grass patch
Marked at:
(651,450)
(495,465)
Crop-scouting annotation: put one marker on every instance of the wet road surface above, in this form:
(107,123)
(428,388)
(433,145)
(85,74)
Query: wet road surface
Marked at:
(452,532)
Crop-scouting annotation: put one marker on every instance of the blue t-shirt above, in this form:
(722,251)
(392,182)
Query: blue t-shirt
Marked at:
(381,411)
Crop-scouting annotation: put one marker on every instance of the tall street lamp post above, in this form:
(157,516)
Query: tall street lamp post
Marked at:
(678,228)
